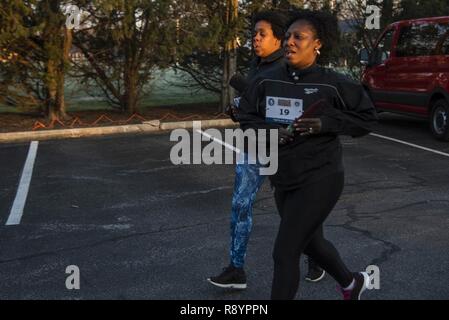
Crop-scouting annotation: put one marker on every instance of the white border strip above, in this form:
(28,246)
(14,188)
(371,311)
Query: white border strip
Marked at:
(22,192)
(410,144)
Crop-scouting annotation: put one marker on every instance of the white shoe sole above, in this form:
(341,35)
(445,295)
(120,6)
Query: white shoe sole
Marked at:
(317,279)
(240,286)
(365,283)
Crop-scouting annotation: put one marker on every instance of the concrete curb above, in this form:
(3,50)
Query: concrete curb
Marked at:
(189,124)
(74,133)
(145,127)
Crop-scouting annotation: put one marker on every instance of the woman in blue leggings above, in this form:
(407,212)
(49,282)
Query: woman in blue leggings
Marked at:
(269,30)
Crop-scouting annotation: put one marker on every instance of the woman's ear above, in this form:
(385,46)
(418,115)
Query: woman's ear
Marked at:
(279,43)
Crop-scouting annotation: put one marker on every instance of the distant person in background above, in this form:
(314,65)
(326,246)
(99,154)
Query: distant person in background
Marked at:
(269,30)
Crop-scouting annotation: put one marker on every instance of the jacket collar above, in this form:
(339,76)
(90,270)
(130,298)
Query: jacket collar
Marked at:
(296,73)
(278,54)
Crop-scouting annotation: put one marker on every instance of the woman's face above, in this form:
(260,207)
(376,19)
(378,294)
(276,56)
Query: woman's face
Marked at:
(301,44)
(264,41)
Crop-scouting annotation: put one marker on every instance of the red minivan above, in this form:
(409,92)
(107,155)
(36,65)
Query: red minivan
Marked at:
(408,71)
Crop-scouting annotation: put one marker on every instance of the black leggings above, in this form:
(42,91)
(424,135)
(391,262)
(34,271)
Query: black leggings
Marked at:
(303,212)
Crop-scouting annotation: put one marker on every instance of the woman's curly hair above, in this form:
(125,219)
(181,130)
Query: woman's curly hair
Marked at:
(325,27)
(277,20)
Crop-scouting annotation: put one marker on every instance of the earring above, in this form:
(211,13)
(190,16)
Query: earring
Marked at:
(317,51)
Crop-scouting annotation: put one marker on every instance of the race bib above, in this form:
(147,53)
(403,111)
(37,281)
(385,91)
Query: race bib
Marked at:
(283,110)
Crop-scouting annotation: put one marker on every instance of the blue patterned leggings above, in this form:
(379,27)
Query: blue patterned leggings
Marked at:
(247,183)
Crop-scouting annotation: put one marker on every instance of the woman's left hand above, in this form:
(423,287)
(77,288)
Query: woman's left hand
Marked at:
(308,126)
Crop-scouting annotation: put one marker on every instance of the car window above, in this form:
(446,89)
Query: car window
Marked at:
(384,46)
(442,46)
(419,40)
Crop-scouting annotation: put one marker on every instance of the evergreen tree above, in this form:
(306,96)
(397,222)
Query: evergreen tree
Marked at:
(34,34)
(415,9)
(127,42)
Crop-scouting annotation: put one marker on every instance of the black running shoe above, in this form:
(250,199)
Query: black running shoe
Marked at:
(361,284)
(231,277)
(316,273)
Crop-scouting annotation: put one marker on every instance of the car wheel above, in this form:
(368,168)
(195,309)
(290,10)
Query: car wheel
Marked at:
(439,120)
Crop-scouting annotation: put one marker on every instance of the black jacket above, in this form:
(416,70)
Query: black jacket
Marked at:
(341,103)
(259,65)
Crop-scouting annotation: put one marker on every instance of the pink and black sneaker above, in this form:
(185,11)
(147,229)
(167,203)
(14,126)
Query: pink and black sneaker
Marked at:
(361,284)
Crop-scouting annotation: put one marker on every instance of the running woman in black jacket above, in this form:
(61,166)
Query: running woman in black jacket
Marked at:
(269,30)
(310,106)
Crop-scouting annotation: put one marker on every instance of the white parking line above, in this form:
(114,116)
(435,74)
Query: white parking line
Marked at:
(410,144)
(372,134)
(22,192)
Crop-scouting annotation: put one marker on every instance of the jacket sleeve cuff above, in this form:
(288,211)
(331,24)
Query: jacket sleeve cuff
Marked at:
(330,125)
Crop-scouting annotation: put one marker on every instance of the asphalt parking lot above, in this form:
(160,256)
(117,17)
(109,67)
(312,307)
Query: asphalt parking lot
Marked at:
(138,227)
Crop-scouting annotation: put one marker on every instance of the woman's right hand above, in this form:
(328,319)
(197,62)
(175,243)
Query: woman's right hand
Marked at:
(308,126)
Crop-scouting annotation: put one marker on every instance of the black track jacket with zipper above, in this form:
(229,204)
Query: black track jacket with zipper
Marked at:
(341,103)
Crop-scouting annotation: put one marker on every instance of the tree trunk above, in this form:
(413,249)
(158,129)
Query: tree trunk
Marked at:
(225,83)
(52,89)
(131,94)
(230,55)
(57,46)
(387,13)
(131,72)
(60,99)
(232,68)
